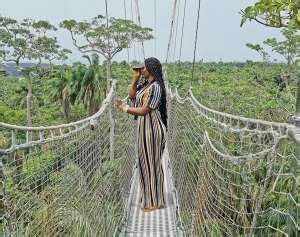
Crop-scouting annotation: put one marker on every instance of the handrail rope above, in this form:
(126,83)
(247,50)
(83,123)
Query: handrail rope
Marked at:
(284,126)
(227,127)
(237,159)
(72,124)
(215,170)
(241,118)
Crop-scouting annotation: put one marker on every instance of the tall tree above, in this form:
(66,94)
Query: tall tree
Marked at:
(88,88)
(61,77)
(29,40)
(274,13)
(289,48)
(105,40)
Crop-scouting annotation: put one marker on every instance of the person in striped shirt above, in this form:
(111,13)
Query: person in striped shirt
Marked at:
(150,107)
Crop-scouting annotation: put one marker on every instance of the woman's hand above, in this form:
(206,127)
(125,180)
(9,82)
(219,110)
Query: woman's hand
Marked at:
(119,104)
(136,75)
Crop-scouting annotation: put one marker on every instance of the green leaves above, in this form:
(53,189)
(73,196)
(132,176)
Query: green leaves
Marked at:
(29,39)
(259,49)
(273,13)
(107,41)
(289,48)
(68,24)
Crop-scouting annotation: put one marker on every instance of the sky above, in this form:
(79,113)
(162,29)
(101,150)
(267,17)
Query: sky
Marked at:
(220,35)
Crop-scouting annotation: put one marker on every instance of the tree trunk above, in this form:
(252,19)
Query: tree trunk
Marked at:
(29,105)
(65,104)
(108,74)
(289,65)
(29,101)
(93,107)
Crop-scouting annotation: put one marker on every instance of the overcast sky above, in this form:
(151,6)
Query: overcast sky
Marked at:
(220,35)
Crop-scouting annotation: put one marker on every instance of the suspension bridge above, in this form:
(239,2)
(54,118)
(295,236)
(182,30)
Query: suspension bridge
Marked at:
(225,176)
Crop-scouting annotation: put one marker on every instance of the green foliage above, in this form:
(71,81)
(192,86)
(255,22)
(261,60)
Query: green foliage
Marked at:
(288,48)
(92,86)
(106,40)
(36,170)
(28,40)
(11,116)
(237,89)
(259,49)
(65,205)
(273,13)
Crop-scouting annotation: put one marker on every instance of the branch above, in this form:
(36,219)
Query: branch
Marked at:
(79,47)
(264,23)
(115,51)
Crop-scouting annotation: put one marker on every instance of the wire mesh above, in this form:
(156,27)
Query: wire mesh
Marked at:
(68,185)
(232,175)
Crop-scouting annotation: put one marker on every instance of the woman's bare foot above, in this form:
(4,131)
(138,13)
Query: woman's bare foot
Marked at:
(148,209)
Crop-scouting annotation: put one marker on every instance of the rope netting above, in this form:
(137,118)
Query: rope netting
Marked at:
(68,180)
(233,176)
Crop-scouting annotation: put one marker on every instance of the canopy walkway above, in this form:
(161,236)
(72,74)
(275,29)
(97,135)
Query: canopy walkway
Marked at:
(225,176)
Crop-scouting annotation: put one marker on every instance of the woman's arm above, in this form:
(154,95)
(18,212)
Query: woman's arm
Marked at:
(139,111)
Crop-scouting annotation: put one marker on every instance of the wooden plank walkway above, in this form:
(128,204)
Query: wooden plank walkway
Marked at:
(160,222)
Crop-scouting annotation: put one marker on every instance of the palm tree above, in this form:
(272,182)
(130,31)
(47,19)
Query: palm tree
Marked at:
(61,89)
(88,88)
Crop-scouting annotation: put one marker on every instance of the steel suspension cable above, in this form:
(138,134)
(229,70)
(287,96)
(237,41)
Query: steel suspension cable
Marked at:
(132,18)
(155,27)
(196,38)
(171,30)
(176,31)
(182,31)
(125,14)
(140,24)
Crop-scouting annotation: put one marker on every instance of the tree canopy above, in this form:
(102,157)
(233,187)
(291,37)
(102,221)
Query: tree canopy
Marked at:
(273,13)
(105,39)
(28,40)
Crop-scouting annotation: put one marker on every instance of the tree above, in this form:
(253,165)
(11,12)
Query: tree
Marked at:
(260,50)
(61,88)
(288,48)
(105,40)
(87,89)
(29,40)
(273,13)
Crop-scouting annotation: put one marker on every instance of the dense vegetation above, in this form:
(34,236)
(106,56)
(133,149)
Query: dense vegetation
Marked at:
(236,88)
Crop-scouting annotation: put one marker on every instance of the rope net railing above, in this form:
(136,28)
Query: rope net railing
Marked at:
(233,176)
(68,180)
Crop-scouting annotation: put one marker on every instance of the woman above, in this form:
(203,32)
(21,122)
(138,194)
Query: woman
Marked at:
(150,107)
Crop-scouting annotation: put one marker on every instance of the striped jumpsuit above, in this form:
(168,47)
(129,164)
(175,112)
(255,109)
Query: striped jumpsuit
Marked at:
(151,142)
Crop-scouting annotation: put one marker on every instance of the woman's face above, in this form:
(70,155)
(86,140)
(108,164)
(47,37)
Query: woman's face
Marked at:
(145,72)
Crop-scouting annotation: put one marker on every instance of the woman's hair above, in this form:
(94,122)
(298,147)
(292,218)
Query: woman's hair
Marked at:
(154,67)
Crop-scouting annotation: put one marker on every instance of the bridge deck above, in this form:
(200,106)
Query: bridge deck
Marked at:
(156,223)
